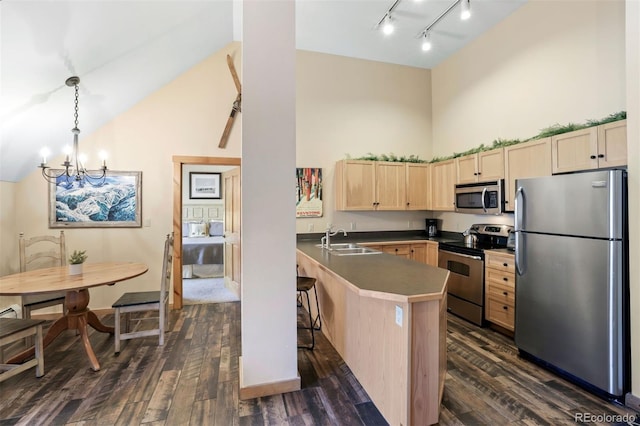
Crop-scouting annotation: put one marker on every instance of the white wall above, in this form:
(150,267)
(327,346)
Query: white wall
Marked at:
(268,288)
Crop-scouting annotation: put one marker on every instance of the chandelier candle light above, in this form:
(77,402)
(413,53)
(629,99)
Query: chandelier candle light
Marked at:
(74,169)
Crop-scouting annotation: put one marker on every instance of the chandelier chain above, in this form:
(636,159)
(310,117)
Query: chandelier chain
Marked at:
(75,115)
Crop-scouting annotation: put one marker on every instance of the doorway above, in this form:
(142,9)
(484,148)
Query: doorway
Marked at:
(231,210)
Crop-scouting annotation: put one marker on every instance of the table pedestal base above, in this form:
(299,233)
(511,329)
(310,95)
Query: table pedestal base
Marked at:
(77,318)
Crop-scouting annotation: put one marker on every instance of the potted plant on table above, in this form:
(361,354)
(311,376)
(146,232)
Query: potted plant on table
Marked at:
(76,260)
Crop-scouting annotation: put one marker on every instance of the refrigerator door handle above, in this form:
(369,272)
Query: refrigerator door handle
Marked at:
(519,250)
(518,212)
(484,194)
(519,208)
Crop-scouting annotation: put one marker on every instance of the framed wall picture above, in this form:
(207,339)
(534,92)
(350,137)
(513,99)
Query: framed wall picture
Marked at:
(309,192)
(116,203)
(204,185)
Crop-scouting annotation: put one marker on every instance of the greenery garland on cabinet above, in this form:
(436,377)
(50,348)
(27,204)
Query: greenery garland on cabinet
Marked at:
(553,130)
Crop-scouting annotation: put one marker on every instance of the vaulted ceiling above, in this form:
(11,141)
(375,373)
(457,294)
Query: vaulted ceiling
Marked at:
(124,50)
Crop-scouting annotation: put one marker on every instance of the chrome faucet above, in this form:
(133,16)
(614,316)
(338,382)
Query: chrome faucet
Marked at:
(325,242)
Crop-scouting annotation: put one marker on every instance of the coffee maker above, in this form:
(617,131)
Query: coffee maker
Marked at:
(431,227)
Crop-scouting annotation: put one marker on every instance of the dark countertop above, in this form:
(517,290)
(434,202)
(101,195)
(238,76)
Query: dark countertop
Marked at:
(382,275)
(502,251)
(383,237)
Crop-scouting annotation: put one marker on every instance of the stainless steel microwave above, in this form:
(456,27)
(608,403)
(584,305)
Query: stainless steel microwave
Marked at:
(480,198)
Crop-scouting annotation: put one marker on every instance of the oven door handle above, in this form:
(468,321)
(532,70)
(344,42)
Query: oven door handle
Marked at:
(463,255)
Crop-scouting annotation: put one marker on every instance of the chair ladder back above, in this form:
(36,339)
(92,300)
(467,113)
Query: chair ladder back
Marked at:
(58,254)
(166,276)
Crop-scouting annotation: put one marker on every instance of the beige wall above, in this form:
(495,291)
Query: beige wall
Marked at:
(185,117)
(350,107)
(633,134)
(549,62)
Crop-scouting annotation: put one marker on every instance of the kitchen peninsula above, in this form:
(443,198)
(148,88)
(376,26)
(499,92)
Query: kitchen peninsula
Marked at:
(386,317)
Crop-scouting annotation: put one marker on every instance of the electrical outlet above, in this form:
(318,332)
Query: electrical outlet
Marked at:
(399,315)
(310,227)
(353,226)
(409,224)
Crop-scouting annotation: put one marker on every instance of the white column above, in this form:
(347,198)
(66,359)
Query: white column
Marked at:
(269,353)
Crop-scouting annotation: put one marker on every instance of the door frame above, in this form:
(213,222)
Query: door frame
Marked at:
(178,162)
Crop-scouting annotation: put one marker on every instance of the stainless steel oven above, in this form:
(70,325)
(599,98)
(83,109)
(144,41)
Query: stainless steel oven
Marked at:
(465,261)
(465,296)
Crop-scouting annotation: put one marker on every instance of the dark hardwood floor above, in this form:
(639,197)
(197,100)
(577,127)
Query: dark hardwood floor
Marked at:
(193,379)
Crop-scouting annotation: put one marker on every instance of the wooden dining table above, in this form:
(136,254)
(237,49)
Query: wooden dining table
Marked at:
(78,315)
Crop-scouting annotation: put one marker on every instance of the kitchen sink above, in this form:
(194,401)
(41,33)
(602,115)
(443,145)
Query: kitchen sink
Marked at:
(353,251)
(349,249)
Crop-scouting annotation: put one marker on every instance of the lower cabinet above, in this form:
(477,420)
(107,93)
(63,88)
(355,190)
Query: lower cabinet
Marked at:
(424,252)
(500,300)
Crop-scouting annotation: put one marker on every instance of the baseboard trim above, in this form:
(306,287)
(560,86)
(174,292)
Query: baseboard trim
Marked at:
(266,389)
(632,401)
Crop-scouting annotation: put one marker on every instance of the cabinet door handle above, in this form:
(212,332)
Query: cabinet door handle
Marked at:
(600,155)
(505,279)
(505,308)
(505,293)
(593,157)
(475,174)
(505,264)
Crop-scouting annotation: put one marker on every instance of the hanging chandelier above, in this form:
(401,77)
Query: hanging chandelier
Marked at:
(74,169)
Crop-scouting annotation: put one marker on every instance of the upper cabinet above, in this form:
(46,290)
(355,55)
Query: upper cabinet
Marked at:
(443,181)
(370,185)
(529,159)
(391,186)
(612,144)
(590,148)
(481,167)
(418,190)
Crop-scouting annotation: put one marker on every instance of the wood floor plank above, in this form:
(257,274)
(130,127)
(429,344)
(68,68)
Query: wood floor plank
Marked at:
(193,379)
(161,399)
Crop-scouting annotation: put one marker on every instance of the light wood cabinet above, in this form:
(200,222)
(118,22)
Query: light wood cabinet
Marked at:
(432,253)
(612,144)
(418,189)
(529,159)
(500,300)
(391,187)
(424,252)
(481,167)
(443,180)
(590,148)
(403,250)
(371,185)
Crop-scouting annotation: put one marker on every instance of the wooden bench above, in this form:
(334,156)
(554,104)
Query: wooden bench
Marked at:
(11,330)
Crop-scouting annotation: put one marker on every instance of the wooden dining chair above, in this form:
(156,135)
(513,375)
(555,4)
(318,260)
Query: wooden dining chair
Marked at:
(37,252)
(145,301)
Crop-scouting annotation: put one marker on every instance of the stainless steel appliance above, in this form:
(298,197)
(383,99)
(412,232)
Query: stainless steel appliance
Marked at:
(432,227)
(465,261)
(480,198)
(572,277)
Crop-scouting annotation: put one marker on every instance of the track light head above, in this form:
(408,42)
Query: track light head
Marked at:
(387,25)
(465,10)
(426,42)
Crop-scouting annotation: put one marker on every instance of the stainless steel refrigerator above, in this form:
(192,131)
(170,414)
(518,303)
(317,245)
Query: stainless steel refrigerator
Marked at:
(572,277)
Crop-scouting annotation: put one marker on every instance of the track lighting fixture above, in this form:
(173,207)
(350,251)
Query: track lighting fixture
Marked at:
(425,34)
(387,22)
